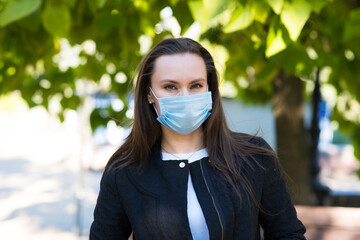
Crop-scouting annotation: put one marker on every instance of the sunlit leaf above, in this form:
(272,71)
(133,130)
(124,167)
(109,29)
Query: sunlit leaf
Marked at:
(15,10)
(241,19)
(274,41)
(198,12)
(203,11)
(294,16)
(101,3)
(276,5)
(261,10)
(56,19)
(215,7)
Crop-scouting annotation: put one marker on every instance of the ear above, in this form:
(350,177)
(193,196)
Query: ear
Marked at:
(150,98)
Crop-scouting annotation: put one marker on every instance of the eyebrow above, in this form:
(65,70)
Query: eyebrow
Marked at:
(193,81)
(198,80)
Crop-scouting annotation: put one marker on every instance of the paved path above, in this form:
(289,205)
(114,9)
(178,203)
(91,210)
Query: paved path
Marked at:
(42,194)
(330,223)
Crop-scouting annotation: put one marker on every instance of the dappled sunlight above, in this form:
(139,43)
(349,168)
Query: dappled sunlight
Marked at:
(32,191)
(25,227)
(38,135)
(42,200)
(44,193)
(41,186)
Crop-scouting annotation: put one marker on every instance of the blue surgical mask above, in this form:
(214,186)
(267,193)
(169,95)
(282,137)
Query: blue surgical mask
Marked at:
(184,114)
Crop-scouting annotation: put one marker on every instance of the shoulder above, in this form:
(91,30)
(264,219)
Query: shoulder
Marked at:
(258,153)
(252,145)
(251,139)
(268,159)
(116,172)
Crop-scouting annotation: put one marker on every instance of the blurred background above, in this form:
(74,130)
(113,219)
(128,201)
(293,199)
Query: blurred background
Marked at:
(289,70)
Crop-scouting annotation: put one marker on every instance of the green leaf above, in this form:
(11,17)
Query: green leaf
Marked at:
(92,5)
(70,3)
(352,26)
(174,2)
(215,7)
(356,144)
(294,16)
(101,3)
(106,22)
(198,12)
(261,10)
(32,23)
(295,60)
(183,15)
(70,103)
(56,19)
(16,10)
(241,19)
(203,11)
(98,118)
(276,5)
(274,41)
(317,5)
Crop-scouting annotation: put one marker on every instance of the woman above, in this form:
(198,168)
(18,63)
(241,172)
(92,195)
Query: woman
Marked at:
(181,173)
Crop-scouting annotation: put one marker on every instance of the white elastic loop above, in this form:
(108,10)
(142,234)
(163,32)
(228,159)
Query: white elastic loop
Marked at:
(154,105)
(153,93)
(156,110)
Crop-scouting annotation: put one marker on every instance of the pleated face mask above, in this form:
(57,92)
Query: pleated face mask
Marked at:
(184,114)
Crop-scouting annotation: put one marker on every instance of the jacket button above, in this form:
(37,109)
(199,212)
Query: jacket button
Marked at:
(182,164)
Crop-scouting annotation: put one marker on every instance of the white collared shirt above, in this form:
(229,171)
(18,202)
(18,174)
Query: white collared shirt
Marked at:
(199,229)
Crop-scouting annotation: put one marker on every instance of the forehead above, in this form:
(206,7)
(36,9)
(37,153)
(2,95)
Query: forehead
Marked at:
(179,66)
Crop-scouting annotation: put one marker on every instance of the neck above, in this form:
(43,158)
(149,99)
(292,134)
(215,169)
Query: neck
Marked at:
(173,142)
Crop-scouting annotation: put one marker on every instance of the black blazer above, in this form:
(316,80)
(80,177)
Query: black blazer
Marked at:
(153,203)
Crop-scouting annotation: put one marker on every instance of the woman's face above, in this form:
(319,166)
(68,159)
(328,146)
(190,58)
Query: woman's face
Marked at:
(178,75)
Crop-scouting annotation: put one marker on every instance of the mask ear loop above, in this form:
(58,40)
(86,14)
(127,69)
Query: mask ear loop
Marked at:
(154,102)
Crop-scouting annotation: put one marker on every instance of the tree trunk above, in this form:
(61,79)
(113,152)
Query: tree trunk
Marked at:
(292,147)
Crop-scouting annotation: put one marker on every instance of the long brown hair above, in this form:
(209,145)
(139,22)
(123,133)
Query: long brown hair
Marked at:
(225,148)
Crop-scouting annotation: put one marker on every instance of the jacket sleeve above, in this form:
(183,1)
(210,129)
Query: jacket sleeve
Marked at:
(279,219)
(110,220)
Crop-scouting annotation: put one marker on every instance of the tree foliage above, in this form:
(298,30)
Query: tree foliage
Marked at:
(33,33)
(257,39)
(298,37)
